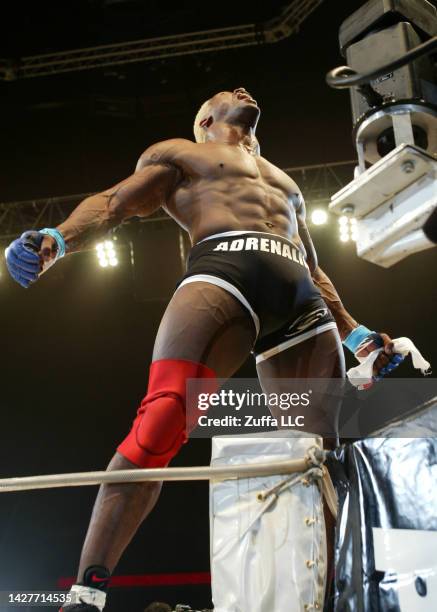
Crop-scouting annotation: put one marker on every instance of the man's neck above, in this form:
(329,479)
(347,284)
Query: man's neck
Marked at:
(238,135)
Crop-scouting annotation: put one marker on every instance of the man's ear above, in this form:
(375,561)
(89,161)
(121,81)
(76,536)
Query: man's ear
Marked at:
(205,123)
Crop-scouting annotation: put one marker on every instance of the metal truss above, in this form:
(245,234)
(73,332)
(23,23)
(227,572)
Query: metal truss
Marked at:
(317,182)
(162,47)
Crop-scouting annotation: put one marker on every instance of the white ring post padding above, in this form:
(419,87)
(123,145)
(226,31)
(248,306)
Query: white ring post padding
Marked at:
(28,483)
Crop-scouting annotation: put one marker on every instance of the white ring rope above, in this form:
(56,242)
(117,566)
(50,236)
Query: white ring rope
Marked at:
(28,483)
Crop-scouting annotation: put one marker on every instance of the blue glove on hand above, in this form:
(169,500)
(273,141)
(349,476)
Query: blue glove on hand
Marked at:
(394,362)
(362,341)
(22,259)
(23,255)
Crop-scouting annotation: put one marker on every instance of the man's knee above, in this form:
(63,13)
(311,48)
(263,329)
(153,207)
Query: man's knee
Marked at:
(157,433)
(160,429)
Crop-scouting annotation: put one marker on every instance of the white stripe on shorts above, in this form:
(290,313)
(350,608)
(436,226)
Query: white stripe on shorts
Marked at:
(293,341)
(219,282)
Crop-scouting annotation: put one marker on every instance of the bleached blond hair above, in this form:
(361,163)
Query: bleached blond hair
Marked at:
(202,113)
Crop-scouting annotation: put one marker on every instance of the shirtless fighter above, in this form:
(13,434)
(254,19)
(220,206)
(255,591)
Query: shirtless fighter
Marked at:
(252,284)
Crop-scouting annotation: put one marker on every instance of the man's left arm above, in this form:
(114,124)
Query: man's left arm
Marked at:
(357,338)
(345,322)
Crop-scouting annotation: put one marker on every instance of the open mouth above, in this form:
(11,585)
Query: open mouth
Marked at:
(246,98)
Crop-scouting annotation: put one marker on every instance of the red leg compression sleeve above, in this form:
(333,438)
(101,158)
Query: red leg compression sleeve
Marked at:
(159,429)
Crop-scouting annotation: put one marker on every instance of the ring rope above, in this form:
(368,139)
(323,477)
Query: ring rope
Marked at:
(29,483)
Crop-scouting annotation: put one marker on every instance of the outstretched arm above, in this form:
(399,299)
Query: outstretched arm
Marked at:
(140,194)
(155,179)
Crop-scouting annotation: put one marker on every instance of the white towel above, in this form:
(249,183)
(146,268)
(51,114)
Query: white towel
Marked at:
(361,375)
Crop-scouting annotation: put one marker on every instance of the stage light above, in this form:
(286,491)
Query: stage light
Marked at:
(319,216)
(344,231)
(348,229)
(106,254)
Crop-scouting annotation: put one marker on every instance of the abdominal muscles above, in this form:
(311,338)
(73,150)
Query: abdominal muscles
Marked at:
(206,207)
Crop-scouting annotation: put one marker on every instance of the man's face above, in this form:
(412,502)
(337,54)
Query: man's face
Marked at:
(235,106)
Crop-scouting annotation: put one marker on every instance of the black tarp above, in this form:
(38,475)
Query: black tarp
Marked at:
(387,483)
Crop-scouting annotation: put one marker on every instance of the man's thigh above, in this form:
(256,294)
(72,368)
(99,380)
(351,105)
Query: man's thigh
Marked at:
(205,324)
(319,358)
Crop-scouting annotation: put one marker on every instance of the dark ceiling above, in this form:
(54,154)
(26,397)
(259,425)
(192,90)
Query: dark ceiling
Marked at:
(77,132)
(54,26)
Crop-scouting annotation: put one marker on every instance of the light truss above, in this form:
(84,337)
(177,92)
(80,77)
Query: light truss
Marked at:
(162,47)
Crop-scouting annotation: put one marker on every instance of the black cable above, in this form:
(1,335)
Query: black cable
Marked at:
(373,98)
(351,78)
(430,227)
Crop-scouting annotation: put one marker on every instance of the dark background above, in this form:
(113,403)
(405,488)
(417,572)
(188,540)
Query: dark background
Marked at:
(76,347)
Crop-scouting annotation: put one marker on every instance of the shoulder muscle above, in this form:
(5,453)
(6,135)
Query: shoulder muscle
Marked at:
(165,152)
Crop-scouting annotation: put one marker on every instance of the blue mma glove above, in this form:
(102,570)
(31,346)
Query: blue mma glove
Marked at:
(22,259)
(361,338)
(22,255)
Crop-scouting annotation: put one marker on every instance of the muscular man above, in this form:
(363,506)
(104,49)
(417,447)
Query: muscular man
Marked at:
(253,284)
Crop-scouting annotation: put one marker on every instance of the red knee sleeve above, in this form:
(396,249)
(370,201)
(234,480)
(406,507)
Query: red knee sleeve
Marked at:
(160,429)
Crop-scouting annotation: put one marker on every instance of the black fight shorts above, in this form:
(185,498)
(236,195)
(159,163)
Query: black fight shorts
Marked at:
(270,277)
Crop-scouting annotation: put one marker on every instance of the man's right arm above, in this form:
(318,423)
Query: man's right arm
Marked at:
(141,194)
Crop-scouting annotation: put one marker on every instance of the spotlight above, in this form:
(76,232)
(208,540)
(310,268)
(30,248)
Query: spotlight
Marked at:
(106,254)
(348,229)
(319,216)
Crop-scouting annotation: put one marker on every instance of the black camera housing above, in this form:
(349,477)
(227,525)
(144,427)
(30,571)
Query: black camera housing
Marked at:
(382,31)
